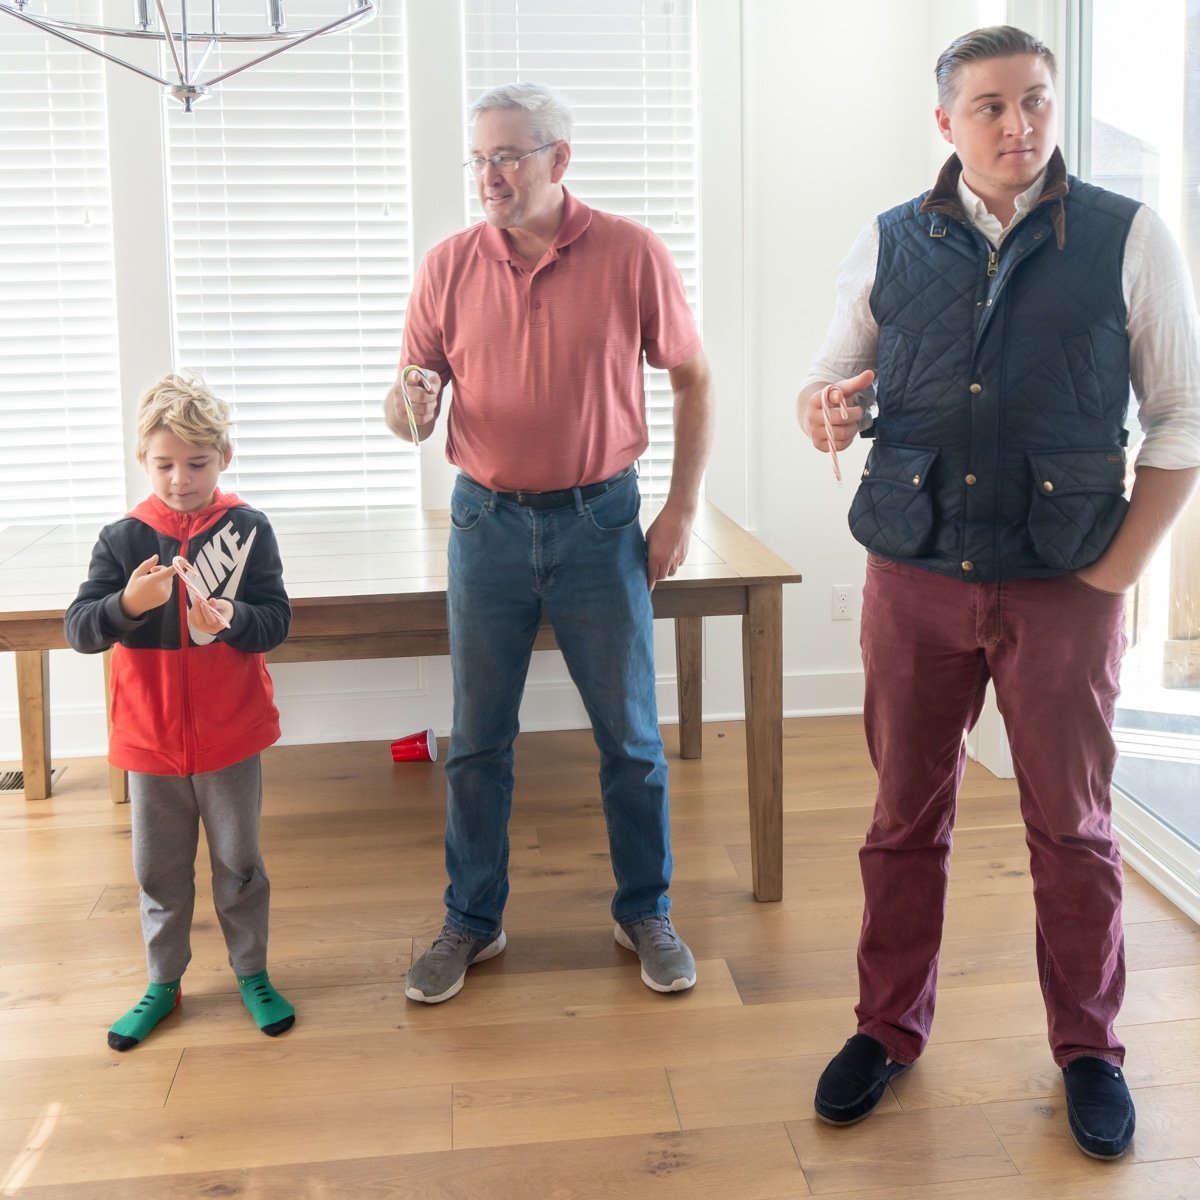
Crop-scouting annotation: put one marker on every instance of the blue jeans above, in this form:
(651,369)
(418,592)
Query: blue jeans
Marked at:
(584,567)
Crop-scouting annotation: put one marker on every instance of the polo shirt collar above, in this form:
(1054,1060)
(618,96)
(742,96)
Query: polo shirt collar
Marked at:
(576,218)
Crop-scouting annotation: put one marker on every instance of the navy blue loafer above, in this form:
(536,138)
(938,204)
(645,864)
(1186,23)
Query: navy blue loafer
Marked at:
(853,1084)
(1099,1107)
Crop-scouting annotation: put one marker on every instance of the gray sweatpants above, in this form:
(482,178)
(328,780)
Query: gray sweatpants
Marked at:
(166,815)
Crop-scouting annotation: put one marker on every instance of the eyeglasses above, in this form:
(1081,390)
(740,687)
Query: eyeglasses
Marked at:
(507,163)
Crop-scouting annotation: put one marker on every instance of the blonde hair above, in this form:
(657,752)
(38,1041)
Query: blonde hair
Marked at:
(183,405)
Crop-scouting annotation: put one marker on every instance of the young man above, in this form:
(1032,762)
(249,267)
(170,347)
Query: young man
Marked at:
(541,317)
(1005,314)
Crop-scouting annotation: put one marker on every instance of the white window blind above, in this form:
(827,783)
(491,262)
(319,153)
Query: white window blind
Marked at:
(291,257)
(627,67)
(60,412)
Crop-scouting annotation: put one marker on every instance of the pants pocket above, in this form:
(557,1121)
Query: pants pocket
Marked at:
(616,509)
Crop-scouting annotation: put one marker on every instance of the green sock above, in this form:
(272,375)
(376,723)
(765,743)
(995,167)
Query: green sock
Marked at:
(271,1012)
(159,1000)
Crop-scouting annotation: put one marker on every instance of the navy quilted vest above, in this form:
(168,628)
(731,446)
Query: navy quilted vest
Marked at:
(1003,383)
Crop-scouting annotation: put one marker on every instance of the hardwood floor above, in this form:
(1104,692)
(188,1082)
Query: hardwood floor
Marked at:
(556,1075)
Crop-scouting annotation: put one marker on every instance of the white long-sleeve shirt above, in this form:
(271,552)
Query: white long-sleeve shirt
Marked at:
(1162,324)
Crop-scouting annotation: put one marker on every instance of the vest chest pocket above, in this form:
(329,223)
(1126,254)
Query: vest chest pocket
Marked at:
(1078,503)
(892,511)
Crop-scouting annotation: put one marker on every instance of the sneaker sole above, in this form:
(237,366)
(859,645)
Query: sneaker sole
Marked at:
(677,985)
(487,952)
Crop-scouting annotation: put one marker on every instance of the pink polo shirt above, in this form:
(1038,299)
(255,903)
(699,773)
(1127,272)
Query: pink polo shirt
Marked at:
(547,364)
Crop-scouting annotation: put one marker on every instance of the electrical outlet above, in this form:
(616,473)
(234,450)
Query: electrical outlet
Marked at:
(841,604)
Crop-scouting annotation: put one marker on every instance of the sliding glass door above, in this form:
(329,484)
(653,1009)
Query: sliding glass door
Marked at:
(1139,67)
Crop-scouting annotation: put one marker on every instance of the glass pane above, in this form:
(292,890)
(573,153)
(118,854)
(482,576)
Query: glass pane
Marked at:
(1145,143)
(291,251)
(60,399)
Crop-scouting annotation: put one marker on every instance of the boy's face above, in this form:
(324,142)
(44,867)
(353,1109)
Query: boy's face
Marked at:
(183,475)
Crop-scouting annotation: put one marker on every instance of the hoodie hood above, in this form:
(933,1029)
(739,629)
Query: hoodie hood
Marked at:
(153,512)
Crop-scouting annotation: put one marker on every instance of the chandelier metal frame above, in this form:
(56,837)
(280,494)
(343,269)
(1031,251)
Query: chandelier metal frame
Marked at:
(186,87)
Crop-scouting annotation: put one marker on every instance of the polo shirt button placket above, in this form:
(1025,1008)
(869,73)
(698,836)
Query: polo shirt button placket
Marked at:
(537,310)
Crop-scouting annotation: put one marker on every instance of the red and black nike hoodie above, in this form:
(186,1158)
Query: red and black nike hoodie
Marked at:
(184,702)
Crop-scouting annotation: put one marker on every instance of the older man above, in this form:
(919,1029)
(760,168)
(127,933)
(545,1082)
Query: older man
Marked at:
(541,317)
(1006,311)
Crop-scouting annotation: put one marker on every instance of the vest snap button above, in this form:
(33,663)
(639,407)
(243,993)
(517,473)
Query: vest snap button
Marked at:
(968,566)
(976,388)
(1047,486)
(970,479)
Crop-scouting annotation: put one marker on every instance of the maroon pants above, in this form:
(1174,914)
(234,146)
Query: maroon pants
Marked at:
(1053,649)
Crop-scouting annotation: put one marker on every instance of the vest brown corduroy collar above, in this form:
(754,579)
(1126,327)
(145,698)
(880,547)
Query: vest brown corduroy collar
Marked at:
(943,197)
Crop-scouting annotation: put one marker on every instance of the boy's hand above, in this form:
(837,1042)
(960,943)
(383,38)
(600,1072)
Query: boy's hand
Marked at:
(210,616)
(149,587)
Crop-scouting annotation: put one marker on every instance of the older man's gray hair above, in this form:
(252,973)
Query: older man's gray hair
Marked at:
(550,114)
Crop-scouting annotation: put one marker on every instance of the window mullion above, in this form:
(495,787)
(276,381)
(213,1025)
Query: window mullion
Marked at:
(141,263)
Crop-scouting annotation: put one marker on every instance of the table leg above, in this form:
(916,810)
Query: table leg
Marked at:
(118,781)
(762,673)
(689,642)
(33,698)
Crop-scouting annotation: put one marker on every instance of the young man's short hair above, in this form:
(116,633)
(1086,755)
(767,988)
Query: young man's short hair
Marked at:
(183,405)
(996,41)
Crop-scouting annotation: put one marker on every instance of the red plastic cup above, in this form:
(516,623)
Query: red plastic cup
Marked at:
(415,747)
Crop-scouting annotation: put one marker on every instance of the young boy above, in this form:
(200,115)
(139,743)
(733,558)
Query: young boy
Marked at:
(192,701)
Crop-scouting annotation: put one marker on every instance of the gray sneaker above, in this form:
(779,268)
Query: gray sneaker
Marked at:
(439,973)
(667,963)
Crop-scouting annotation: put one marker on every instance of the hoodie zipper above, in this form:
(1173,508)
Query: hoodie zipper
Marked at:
(186,725)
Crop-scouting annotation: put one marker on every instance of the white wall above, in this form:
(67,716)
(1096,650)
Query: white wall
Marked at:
(839,126)
(814,118)
(835,132)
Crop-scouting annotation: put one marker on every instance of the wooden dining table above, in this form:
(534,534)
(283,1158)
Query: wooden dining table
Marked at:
(372,584)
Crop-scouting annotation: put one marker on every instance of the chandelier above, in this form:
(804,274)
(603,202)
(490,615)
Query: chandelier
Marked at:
(189,49)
